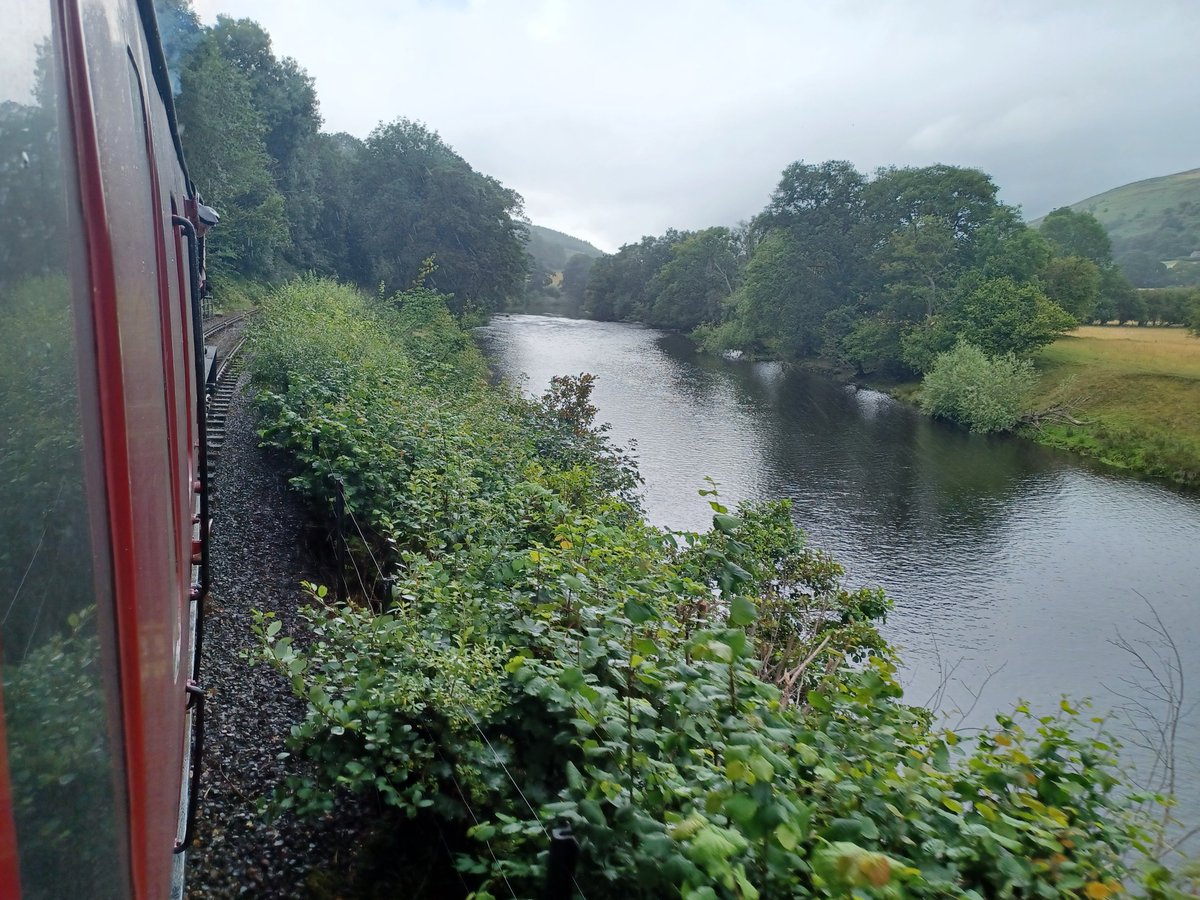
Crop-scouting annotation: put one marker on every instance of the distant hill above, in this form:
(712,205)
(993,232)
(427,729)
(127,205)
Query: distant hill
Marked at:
(559,273)
(1159,216)
(551,249)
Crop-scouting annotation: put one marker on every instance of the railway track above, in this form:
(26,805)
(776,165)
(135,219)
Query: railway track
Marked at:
(229,367)
(215,328)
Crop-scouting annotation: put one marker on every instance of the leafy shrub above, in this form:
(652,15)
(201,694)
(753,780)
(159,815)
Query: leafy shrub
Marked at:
(732,334)
(984,393)
(1003,316)
(714,714)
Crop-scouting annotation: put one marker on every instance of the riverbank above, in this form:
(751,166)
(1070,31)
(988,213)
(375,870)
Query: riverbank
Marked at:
(548,656)
(1128,396)
(1134,393)
(1010,564)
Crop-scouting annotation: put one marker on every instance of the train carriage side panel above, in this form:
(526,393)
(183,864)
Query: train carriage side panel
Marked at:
(177,312)
(151,616)
(98,453)
(65,832)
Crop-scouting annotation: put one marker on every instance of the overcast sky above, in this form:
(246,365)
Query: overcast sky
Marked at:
(616,119)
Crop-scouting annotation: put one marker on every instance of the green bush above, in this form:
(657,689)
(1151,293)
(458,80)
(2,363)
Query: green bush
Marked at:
(981,392)
(732,334)
(873,345)
(714,714)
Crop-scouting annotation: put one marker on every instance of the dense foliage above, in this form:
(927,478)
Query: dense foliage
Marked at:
(982,392)
(227,153)
(295,199)
(714,714)
(1171,306)
(881,273)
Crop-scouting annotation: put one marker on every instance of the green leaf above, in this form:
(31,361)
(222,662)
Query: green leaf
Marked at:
(727,524)
(736,770)
(762,768)
(941,757)
(572,678)
(742,611)
(484,832)
(738,574)
(593,813)
(638,612)
(741,808)
(574,778)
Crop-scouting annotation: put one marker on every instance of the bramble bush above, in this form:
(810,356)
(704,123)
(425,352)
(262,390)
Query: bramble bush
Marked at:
(715,715)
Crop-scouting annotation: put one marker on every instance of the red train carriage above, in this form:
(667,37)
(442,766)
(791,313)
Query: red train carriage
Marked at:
(101,467)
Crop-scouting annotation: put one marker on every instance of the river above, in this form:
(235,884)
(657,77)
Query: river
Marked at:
(1012,567)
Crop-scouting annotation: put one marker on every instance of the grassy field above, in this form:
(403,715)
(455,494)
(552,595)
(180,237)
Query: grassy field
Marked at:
(1137,393)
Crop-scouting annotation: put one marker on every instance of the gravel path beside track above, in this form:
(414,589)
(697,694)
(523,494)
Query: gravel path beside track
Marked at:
(257,563)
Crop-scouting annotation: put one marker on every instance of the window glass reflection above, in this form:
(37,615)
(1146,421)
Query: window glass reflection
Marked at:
(55,704)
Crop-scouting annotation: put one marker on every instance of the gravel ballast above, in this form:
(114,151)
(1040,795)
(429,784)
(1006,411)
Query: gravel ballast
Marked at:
(257,563)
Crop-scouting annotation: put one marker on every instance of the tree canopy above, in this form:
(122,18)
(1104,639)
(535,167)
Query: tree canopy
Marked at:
(882,272)
(227,157)
(1077,234)
(417,199)
(293,198)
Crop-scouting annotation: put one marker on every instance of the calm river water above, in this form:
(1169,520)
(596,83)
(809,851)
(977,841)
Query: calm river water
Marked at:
(1012,567)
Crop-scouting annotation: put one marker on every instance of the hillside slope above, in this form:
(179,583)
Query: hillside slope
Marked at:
(551,249)
(1160,216)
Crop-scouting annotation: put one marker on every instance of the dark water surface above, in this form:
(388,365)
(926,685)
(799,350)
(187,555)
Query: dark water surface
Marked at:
(1012,567)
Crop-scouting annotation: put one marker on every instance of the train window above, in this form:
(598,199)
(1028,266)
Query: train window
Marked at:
(60,764)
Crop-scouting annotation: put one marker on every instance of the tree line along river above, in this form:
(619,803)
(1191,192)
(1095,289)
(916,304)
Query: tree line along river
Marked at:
(1013,568)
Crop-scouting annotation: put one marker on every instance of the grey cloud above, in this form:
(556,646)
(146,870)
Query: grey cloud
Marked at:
(617,119)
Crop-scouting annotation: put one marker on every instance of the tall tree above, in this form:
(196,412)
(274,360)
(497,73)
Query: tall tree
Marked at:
(1074,284)
(337,160)
(285,98)
(784,299)
(228,159)
(1118,298)
(703,272)
(919,261)
(1002,316)
(1008,248)
(963,199)
(619,287)
(415,199)
(1077,234)
(812,258)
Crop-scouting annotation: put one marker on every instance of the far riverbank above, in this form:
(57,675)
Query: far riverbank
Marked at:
(1135,392)
(1127,396)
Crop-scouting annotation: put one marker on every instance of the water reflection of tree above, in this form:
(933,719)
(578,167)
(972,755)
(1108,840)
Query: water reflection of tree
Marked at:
(872,466)
(888,470)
